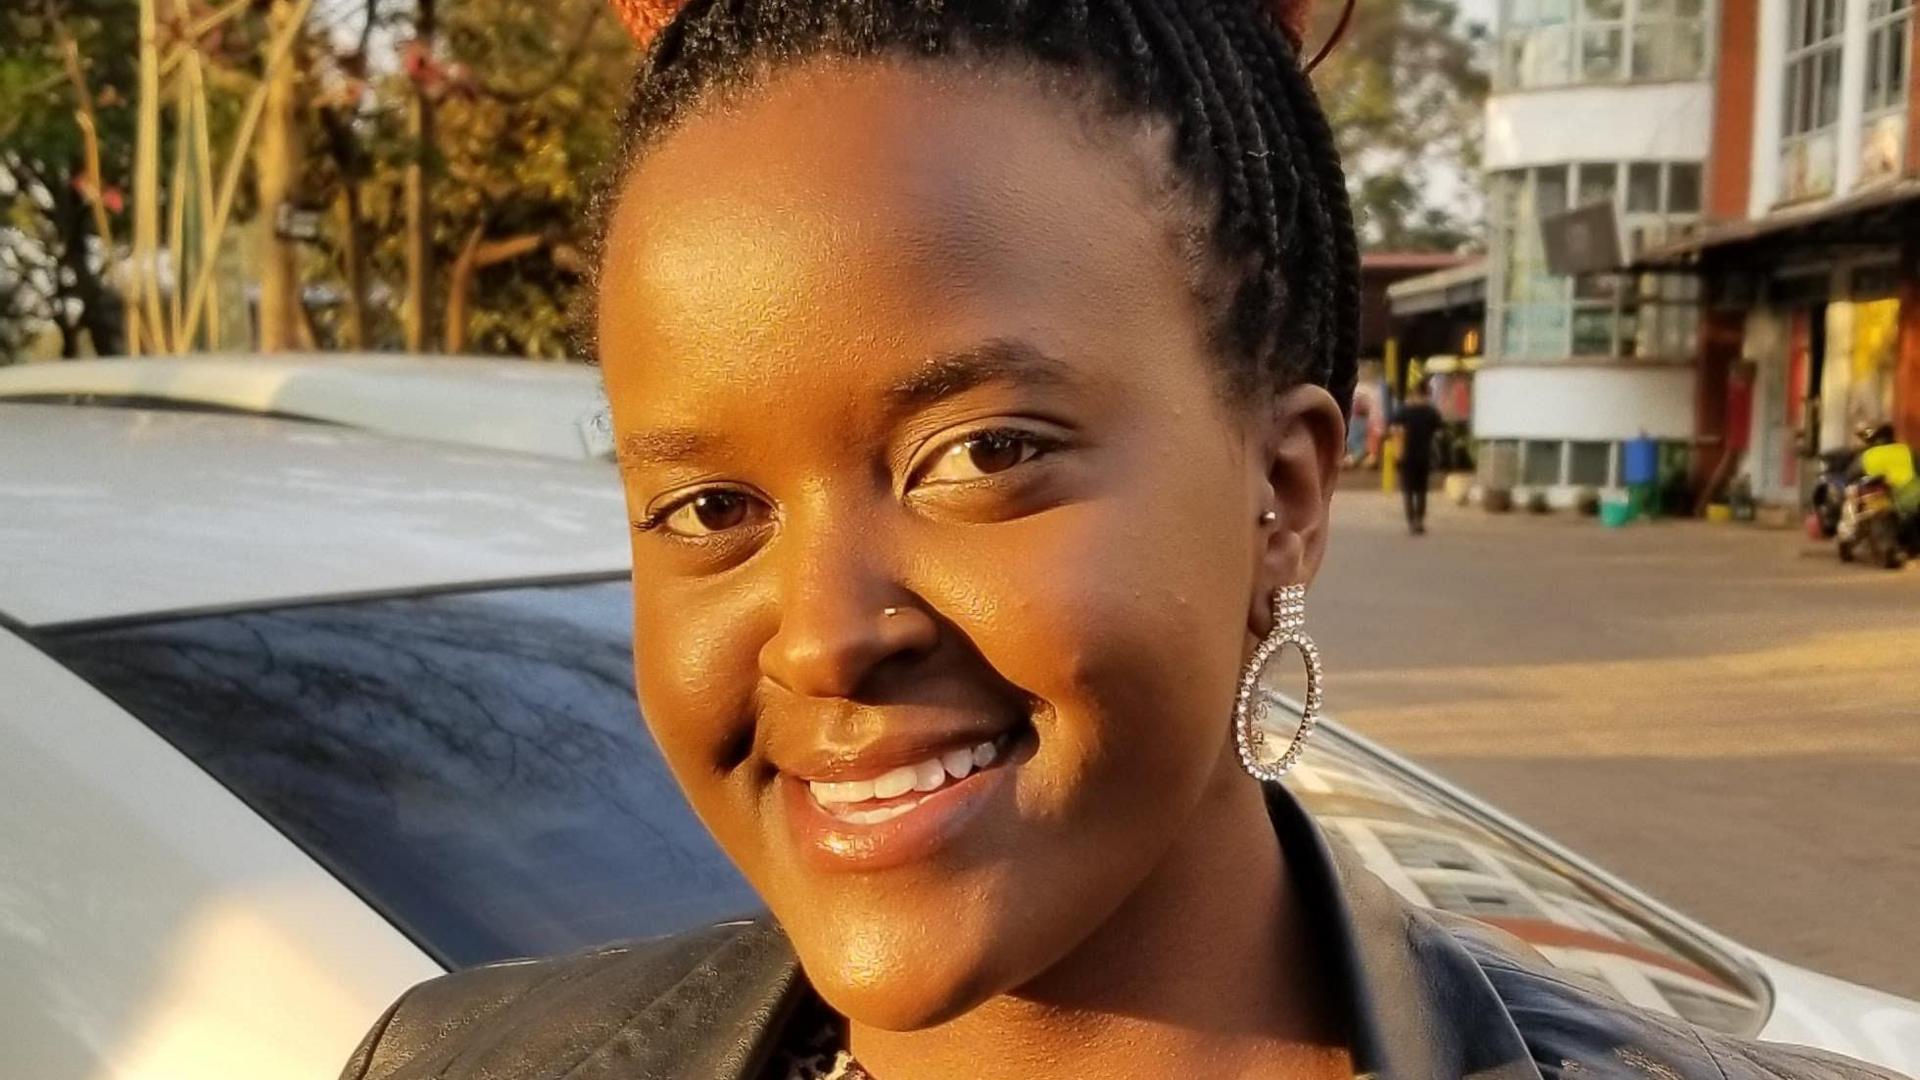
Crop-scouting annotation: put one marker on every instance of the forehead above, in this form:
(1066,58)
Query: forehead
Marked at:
(885,211)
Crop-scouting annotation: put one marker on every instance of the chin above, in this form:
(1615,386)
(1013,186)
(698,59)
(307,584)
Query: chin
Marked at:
(906,1001)
(899,982)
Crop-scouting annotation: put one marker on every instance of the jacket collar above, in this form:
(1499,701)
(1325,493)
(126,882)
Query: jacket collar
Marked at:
(1420,1004)
(1421,1007)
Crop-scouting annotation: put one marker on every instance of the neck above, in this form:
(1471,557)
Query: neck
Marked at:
(1208,969)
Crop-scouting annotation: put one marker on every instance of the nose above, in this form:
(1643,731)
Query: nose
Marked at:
(843,615)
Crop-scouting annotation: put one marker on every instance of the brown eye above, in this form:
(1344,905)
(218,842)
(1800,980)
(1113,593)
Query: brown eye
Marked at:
(994,452)
(980,455)
(710,512)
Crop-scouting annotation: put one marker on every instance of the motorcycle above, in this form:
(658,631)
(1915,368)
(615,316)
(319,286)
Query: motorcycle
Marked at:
(1871,529)
(1830,493)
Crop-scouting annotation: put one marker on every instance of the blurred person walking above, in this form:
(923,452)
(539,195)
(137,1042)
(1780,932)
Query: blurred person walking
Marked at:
(1415,424)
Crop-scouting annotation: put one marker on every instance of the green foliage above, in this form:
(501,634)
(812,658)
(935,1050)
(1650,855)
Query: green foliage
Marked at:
(525,112)
(1404,93)
(48,249)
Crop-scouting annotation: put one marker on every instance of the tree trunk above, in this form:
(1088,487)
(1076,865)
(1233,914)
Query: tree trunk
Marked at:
(353,252)
(277,165)
(475,256)
(460,291)
(92,301)
(419,302)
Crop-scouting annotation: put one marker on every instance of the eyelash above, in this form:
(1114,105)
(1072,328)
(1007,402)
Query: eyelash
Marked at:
(1042,446)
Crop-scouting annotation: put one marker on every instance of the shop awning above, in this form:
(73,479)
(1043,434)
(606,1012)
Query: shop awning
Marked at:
(1876,217)
(1463,285)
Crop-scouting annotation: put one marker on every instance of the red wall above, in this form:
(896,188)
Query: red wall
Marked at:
(1730,160)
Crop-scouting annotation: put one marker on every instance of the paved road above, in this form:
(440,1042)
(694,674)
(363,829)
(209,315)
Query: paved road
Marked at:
(1727,716)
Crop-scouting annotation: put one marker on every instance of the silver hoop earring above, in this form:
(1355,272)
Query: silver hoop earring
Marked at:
(1250,705)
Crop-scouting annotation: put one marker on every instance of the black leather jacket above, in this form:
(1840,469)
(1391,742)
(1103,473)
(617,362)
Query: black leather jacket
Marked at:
(1433,997)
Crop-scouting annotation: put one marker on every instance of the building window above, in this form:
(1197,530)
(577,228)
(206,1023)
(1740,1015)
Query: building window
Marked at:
(1883,128)
(1669,40)
(1811,107)
(1557,42)
(1683,188)
(1540,463)
(1589,463)
(1534,315)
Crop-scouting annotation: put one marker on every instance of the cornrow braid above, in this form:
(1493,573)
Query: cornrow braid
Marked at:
(1282,288)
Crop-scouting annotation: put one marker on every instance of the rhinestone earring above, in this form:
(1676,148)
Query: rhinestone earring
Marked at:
(1250,705)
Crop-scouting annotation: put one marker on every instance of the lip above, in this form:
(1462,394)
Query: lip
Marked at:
(873,758)
(832,844)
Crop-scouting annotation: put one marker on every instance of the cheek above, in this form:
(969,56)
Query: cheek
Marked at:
(695,668)
(1125,617)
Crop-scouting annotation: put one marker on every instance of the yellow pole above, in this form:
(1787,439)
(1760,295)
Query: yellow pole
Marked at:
(1390,446)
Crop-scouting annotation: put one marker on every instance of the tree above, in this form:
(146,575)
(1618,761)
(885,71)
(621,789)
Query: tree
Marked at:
(63,67)
(1404,91)
(522,103)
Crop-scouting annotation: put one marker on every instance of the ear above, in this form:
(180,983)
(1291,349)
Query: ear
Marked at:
(1296,445)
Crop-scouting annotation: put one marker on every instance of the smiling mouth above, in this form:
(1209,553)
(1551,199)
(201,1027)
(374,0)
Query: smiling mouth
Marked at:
(903,789)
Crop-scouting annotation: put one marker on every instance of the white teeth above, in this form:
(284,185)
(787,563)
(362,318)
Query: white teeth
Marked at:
(846,791)
(841,797)
(895,783)
(877,815)
(929,775)
(984,754)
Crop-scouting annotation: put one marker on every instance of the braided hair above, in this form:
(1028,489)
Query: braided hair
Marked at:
(1250,140)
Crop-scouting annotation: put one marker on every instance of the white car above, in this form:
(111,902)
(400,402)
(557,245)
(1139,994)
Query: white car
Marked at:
(551,409)
(294,716)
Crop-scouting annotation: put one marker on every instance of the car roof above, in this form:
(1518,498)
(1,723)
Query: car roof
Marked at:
(112,513)
(555,409)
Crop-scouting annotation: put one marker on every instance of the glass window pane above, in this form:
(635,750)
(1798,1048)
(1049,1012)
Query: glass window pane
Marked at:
(1597,182)
(1898,42)
(1643,187)
(1595,287)
(1683,188)
(1550,191)
(1547,59)
(1540,466)
(1603,10)
(1789,96)
(1653,9)
(1667,51)
(1829,109)
(1587,463)
(1600,54)
(1593,331)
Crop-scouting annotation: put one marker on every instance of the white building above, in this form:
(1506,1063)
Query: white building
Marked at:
(1593,101)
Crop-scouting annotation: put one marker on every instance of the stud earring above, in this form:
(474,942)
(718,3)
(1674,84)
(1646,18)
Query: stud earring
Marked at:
(890,612)
(1268,517)
(1250,704)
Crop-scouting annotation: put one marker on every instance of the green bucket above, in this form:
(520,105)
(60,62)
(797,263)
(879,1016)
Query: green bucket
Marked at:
(1614,515)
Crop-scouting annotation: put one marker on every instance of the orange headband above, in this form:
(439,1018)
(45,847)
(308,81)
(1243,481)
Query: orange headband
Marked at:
(644,19)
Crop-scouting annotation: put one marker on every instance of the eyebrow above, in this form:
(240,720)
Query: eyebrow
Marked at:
(663,447)
(998,360)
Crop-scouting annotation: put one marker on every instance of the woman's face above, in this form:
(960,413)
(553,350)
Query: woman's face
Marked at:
(946,548)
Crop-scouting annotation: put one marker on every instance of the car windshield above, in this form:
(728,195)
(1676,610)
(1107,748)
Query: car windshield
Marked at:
(474,765)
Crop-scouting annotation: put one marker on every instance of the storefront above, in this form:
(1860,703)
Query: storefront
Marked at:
(1812,331)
